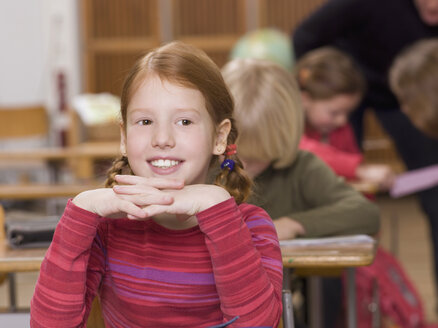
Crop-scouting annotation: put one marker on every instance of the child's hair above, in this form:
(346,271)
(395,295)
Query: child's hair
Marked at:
(414,80)
(327,72)
(190,67)
(268,110)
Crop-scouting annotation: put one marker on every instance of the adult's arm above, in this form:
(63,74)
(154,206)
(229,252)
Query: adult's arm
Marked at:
(70,273)
(336,208)
(246,260)
(334,19)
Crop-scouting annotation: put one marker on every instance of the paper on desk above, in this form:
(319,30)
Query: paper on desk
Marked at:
(414,181)
(327,241)
(97,108)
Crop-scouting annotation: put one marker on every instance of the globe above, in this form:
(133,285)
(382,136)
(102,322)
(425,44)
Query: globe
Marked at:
(268,44)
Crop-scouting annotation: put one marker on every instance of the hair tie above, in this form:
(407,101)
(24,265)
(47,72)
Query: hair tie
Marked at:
(228,163)
(231,150)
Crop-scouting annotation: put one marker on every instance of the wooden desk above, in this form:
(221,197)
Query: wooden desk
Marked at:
(85,150)
(81,157)
(40,191)
(20,260)
(317,255)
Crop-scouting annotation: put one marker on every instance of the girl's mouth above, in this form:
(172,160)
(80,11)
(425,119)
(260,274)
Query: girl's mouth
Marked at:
(164,163)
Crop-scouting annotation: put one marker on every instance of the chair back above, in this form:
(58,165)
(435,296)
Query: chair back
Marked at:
(21,122)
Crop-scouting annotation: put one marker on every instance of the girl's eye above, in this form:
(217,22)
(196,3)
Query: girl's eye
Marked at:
(184,122)
(144,122)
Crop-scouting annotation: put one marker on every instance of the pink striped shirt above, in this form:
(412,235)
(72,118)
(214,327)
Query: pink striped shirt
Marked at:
(148,276)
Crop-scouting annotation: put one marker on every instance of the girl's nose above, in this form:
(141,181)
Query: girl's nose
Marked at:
(163,137)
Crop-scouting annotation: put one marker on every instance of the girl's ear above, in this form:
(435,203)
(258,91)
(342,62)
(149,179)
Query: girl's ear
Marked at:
(223,130)
(122,140)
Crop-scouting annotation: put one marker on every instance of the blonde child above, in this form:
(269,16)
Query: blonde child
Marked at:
(302,195)
(300,192)
(331,88)
(159,246)
(414,80)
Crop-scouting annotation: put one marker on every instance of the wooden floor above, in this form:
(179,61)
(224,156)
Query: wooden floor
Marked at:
(404,231)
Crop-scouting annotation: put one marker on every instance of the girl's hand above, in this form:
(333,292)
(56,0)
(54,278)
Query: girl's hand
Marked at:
(108,203)
(187,201)
(380,174)
(288,228)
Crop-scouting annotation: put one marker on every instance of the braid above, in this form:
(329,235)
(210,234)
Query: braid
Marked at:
(235,181)
(119,165)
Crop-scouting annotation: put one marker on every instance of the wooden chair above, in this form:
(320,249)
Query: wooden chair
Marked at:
(23,127)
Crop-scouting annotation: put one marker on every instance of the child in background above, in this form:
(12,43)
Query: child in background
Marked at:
(414,80)
(299,191)
(331,87)
(302,194)
(159,246)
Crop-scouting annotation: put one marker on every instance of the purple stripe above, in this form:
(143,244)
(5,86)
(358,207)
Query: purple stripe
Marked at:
(272,261)
(163,276)
(166,300)
(258,222)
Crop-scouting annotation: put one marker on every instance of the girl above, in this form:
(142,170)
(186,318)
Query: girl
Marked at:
(160,247)
(331,87)
(299,192)
(302,195)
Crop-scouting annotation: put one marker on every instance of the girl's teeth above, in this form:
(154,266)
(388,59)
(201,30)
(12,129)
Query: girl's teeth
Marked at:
(164,163)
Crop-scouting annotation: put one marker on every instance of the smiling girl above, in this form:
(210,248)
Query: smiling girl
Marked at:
(159,246)
(331,88)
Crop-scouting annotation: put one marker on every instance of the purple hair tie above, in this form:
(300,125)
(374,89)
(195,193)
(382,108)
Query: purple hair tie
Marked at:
(228,163)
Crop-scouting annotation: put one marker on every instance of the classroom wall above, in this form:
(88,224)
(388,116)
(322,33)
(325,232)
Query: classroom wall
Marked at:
(22,54)
(39,39)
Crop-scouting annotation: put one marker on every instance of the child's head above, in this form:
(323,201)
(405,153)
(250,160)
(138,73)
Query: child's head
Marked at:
(177,119)
(414,80)
(268,112)
(331,87)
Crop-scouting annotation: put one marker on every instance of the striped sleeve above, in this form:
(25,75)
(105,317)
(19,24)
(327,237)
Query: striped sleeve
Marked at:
(69,277)
(246,260)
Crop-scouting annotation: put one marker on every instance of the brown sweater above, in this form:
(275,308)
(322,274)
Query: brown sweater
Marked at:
(310,193)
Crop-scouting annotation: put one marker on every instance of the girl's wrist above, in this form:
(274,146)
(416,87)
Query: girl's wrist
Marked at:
(218,195)
(83,200)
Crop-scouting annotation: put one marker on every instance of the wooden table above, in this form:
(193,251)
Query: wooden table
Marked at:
(18,260)
(81,157)
(41,191)
(314,256)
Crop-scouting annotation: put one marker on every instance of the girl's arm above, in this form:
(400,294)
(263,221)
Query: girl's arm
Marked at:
(70,273)
(335,207)
(342,163)
(247,263)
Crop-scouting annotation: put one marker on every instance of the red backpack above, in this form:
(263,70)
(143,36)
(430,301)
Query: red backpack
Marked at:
(386,297)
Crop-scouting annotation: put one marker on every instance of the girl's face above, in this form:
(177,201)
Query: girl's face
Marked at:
(169,132)
(326,115)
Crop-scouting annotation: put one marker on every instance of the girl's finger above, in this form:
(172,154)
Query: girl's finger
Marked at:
(155,210)
(134,189)
(147,199)
(160,183)
(131,209)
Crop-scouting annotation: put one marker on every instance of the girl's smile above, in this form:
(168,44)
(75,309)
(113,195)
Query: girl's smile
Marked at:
(168,132)
(163,166)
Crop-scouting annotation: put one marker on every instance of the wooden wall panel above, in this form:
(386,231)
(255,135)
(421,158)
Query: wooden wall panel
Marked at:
(208,17)
(111,70)
(114,34)
(211,25)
